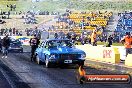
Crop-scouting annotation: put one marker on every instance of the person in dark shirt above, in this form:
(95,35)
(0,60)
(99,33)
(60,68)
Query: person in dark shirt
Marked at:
(0,44)
(109,41)
(56,35)
(5,45)
(34,42)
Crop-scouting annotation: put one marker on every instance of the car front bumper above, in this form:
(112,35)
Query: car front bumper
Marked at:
(15,50)
(76,61)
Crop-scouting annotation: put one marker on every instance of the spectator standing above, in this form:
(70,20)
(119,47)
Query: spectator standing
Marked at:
(14,31)
(10,32)
(56,35)
(109,41)
(127,40)
(93,38)
(105,38)
(14,7)
(8,14)
(0,44)
(34,42)
(11,7)
(5,45)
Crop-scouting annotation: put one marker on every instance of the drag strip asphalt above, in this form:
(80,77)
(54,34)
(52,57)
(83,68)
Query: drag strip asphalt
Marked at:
(38,76)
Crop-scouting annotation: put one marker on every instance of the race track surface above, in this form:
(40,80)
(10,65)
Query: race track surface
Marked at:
(33,75)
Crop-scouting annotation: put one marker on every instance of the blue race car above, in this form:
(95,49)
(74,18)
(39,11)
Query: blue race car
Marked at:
(59,52)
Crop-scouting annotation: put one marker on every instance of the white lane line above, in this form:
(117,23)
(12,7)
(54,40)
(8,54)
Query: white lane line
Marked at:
(8,79)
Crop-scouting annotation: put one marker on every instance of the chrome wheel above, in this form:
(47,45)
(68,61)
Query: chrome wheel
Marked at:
(37,59)
(47,63)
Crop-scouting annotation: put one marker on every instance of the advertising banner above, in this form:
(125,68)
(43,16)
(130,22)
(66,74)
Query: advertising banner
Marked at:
(24,39)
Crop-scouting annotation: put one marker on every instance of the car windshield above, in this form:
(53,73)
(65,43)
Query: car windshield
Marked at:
(15,43)
(62,43)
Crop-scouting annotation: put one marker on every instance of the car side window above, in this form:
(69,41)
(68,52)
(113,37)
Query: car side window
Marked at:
(41,44)
(46,44)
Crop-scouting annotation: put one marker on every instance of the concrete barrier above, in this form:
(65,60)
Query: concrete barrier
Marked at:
(128,61)
(99,53)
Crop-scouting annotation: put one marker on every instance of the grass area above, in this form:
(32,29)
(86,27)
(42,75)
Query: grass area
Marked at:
(25,6)
(18,23)
(114,44)
(52,5)
(58,5)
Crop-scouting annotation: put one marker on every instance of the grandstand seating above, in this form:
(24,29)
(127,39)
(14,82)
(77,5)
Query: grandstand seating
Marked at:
(89,21)
(124,23)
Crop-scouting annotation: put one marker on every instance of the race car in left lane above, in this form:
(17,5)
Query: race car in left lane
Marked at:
(59,52)
(15,46)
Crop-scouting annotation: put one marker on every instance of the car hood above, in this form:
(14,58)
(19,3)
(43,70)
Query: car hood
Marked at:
(62,50)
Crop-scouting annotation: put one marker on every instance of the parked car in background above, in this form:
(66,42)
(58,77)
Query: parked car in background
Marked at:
(16,46)
(59,52)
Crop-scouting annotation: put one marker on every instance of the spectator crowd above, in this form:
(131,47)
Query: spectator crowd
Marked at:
(11,32)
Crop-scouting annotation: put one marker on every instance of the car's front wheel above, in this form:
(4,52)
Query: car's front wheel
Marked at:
(47,63)
(37,59)
(81,63)
(21,51)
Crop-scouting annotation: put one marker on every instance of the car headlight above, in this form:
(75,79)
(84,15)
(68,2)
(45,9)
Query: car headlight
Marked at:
(83,55)
(52,56)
